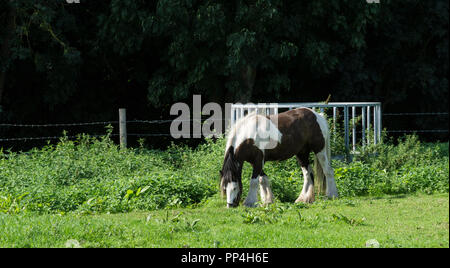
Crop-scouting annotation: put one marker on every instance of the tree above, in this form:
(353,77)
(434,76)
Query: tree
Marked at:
(77,62)
(9,14)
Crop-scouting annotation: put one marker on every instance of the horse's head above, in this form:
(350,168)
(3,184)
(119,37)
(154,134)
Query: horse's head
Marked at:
(230,179)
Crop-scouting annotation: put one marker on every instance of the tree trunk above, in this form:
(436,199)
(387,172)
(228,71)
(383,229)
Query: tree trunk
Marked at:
(5,49)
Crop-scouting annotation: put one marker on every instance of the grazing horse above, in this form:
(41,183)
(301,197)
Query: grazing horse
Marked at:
(258,138)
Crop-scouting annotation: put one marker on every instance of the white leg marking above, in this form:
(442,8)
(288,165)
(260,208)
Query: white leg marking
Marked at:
(307,194)
(252,196)
(329,174)
(265,191)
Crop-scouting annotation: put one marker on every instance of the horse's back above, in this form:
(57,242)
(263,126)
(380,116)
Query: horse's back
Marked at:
(301,133)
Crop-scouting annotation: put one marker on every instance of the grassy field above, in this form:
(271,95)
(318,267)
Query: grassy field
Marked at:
(90,193)
(415,220)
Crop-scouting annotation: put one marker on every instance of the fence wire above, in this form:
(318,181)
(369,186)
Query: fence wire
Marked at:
(415,114)
(59,125)
(164,121)
(419,131)
(101,123)
(52,137)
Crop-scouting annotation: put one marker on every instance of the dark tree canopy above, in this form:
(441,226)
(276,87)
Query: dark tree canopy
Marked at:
(63,61)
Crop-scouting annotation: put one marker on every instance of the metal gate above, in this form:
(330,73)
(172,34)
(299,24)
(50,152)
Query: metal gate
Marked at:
(370,113)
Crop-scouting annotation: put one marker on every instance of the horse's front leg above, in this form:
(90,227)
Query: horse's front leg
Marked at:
(265,191)
(252,196)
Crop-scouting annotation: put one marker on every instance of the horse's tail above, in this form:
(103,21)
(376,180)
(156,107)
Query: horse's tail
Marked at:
(320,179)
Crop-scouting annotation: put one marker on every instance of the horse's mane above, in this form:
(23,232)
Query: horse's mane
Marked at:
(230,164)
(230,170)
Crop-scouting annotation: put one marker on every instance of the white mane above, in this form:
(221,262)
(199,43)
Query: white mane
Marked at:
(260,129)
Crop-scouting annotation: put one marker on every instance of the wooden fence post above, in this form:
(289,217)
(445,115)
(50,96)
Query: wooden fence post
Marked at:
(123,127)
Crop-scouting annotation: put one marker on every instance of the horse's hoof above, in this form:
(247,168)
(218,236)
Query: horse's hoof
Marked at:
(265,204)
(331,197)
(250,205)
(304,199)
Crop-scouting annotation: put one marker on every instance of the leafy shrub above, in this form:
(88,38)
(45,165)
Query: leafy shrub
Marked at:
(93,175)
(286,179)
(357,179)
(406,167)
(407,150)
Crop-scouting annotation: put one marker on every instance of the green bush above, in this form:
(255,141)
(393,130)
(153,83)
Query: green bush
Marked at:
(357,179)
(405,166)
(94,175)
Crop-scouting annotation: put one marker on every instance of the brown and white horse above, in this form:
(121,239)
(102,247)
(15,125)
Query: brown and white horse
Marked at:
(258,138)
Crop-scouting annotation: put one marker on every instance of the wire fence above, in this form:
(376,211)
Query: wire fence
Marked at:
(392,114)
(104,123)
(416,130)
(165,121)
(92,123)
(58,125)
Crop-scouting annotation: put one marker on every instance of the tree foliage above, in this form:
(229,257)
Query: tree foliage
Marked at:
(62,61)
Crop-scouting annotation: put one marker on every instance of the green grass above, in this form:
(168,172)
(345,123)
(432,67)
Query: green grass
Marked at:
(414,220)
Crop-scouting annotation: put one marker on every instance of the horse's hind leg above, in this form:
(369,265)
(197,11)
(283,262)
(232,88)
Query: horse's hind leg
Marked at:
(264,189)
(307,194)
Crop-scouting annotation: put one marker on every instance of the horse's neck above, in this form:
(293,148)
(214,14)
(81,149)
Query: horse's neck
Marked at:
(258,128)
